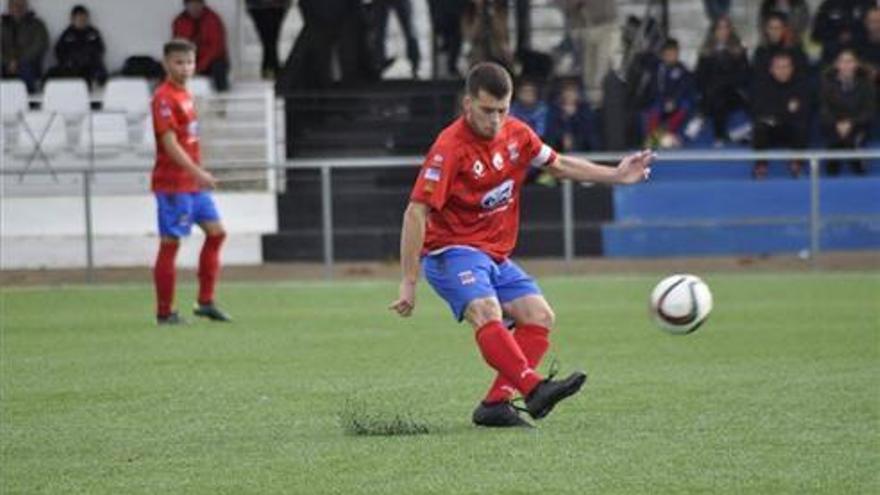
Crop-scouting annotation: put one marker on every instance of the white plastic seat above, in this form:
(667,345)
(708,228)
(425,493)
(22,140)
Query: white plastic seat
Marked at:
(44,132)
(147,145)
(70,98)
(104,133)
(130,95)
(13,104)
(200,87)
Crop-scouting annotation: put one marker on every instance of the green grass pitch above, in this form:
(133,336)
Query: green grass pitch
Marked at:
(778,393)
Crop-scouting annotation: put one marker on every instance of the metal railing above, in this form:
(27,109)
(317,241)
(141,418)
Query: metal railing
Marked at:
(327,165)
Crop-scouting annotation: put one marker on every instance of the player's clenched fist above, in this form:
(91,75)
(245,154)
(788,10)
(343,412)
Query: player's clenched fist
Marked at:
(406,300)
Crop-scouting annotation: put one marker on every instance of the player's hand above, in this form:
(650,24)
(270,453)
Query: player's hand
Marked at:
(406,300)
(635,167)
(206,180)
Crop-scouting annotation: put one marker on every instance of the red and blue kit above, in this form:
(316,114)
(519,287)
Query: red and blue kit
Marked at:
(173,110)
(472,186)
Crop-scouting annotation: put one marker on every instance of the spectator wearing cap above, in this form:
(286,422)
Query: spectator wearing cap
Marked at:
(203,26)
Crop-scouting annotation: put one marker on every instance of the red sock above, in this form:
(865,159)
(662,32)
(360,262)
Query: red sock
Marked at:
(501,352)
(534,341)
(209,267)
(163,277)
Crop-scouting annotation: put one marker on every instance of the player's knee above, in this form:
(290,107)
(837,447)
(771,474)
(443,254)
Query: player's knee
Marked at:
(543,316)
(482,311)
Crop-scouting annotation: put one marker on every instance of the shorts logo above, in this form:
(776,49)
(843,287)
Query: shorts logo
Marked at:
(497,161)
(498,196)
(479,169)
(467,277)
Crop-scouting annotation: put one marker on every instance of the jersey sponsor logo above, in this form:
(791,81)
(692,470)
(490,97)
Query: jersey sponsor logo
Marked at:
(432,173)
(466,277)
(498,196)
(497,161)
(479,169)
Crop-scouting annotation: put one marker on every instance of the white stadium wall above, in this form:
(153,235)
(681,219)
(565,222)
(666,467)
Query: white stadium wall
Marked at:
(49,232)
(132,27)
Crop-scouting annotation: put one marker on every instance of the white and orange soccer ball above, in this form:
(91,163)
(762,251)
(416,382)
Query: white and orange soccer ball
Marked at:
(681,303)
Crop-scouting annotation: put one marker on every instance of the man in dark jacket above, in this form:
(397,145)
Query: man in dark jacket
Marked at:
(847,107)
(839,24)
(204,27)
(781,112)
(80,50)
(24,43)
(777,37)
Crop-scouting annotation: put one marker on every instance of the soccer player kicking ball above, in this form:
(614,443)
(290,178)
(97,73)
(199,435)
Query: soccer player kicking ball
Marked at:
(181,187)
(462,223)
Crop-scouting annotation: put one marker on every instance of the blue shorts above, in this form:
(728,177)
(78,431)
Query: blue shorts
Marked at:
(178,212)
(460,275)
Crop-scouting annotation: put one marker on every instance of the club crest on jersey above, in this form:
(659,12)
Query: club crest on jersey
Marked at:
(513,152)
(479,169)
(497,161)
(432,173)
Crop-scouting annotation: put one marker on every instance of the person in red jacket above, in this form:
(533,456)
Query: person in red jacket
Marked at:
(204,27)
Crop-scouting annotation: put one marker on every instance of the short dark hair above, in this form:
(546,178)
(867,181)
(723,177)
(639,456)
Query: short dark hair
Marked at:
(79,9)
(489,77)
(178,45)
(670,44)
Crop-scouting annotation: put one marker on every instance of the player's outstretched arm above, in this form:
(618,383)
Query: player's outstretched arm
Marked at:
(632,169)
(176,152)
(411,239)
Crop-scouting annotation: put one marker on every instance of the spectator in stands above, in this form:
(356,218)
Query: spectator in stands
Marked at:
(446,17)
(716,9)
(201,25)
(530,107)
(570,121)
(80,50)
(781,111)
(777,38)
(268,15)
(25,41)
(670,98)
(722,75)
(839,24)
(404,11)
(871,48)
(593,30)
(797,12)
(485,26)
(847,106)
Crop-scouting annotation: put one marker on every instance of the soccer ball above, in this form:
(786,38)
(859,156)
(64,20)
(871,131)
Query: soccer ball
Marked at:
(681,303)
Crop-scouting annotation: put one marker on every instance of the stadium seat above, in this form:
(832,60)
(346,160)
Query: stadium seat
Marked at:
(147,145)
(105,134)
(13,103)
(130,95)
(200,87)
(70,98)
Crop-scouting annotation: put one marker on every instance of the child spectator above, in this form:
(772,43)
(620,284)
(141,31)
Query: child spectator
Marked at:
(781,111)
(529,107)
(202,26)
(722,75)
(570,122)
(24,44)
(670,98)
(847,107)
(80,50)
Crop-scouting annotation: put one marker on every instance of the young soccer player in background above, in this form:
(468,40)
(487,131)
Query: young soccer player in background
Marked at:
(462,223)
(182,188)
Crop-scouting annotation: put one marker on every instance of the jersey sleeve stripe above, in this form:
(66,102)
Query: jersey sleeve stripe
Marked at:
(543,157)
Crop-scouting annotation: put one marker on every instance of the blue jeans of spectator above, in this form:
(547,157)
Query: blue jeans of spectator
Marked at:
(29,72)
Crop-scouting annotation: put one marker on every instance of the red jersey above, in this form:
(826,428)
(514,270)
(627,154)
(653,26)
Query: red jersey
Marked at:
(173,110)
(472,186)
